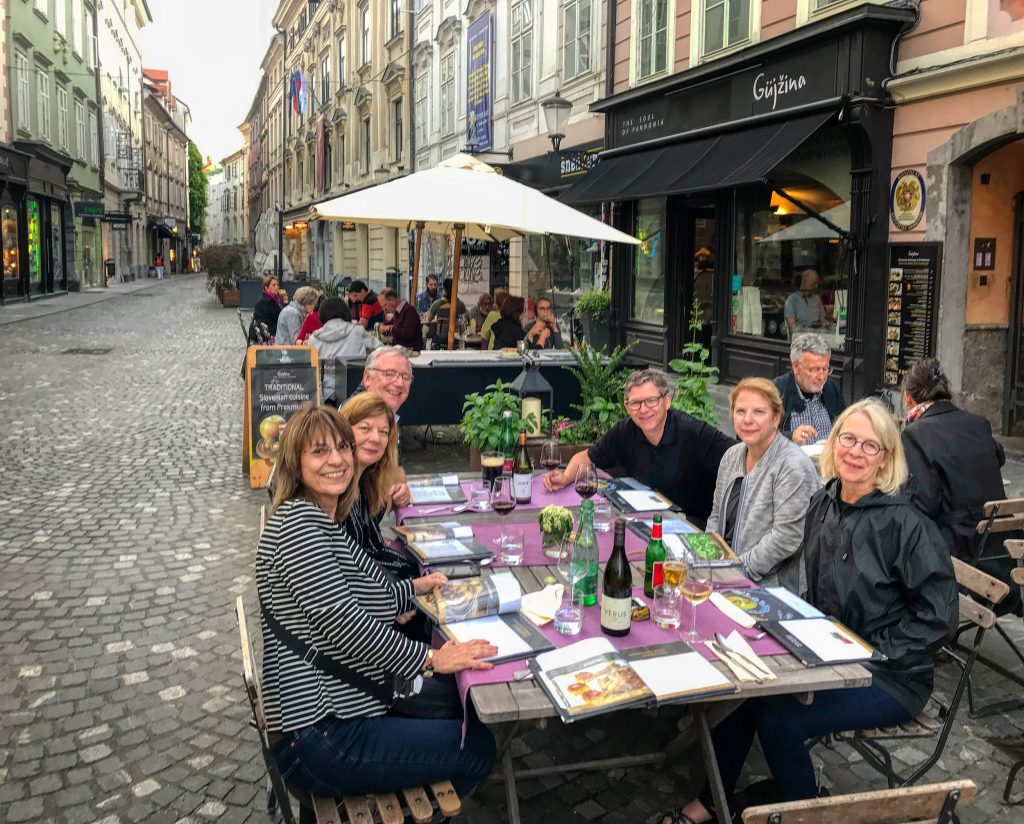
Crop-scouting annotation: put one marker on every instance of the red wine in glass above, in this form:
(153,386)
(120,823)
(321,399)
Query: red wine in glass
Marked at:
(503,508)
(550,463)
(586,481)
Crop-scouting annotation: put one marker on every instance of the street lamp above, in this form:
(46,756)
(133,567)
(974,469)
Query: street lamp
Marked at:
(381,174)
(556,115)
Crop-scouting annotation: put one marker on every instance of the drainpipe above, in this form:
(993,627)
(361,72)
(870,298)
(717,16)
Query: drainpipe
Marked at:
(609,58)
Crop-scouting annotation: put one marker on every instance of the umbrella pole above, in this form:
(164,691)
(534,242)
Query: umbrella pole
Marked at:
(454,297)
(416,264)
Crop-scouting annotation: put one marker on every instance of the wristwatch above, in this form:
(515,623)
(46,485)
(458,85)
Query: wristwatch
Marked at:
(428,668)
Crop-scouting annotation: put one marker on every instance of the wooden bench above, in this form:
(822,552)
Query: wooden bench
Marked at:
(871,744)
(389,810)
(929,802)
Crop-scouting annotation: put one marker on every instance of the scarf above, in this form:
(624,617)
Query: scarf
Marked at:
(273,297)
(916,412)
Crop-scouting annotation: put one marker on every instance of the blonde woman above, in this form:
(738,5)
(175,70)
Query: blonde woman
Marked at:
(878,565)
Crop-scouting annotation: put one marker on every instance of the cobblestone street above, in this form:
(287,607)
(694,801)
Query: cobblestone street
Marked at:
(126,531)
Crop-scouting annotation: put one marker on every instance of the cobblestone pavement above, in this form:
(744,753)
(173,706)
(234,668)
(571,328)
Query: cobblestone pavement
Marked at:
(127,528)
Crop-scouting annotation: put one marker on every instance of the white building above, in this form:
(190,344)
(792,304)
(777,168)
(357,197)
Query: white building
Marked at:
(234,210)
(215,208)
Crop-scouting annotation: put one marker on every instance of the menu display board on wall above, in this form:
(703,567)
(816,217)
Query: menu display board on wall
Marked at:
(912,309)
(278,381)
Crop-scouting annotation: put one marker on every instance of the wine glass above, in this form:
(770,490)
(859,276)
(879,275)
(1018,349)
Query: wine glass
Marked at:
(586,481)
(696,588)
(549,454)
(503,501)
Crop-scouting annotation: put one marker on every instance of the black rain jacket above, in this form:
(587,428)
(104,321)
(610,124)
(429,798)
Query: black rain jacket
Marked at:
(881,567)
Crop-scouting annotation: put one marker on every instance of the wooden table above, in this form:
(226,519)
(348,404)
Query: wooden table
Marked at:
(509,706)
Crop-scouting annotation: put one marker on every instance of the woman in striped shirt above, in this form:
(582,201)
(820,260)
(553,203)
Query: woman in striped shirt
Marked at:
(332,657)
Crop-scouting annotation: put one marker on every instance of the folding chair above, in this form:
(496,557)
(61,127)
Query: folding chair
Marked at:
(871,744)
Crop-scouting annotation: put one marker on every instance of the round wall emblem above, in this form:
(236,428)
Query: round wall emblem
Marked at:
(906,200)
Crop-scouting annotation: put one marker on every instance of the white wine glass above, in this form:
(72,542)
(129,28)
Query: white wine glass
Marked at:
(696,588)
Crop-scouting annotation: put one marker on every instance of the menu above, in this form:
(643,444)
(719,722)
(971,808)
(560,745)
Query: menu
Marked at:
(911,311)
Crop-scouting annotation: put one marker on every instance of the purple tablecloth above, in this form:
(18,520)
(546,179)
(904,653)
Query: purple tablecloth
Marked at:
(533,551)
(541,498)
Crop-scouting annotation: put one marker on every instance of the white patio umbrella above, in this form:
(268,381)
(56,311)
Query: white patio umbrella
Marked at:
(811,229)
(473,199)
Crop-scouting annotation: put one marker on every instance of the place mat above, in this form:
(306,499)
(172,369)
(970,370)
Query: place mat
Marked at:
(533,551)
(541,498)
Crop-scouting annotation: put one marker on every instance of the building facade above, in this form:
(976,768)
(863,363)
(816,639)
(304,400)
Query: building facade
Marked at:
(121,96)
(263,133)
(165,154)
(51,170)
(227,215)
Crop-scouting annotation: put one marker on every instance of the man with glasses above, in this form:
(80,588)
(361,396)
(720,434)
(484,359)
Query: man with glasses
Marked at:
(389,373)
(542,332)
(662,447)
(810,401)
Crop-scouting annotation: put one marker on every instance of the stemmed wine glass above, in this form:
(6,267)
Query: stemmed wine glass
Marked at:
(696,588)
(586,481)
(549,454)
(503,501)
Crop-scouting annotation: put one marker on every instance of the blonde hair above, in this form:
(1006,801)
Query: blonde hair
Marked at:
(893,473)
(762,386)
(376,480)
(301,431)
(268,279)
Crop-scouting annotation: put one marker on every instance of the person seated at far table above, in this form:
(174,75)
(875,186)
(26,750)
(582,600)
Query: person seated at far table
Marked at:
(268,307)
(440,311)
(662,447)
(500,296)
(312,321)
(508,331)
(803,308)
(542,332)
(426,298)
(364,305)
(810,400)
(338,338)
(332,653)
(765,483)
(877,564)
(478,314)
(404,327)
(290,320)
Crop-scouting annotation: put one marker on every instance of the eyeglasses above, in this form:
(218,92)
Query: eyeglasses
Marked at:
(392,374)
(324,450)
(818,370)
(869,448)
(650,403)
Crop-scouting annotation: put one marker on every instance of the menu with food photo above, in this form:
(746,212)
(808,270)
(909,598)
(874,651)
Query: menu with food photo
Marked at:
(770,604)
(436,489)
(592,677)
(469,598)
(819,641)
(442,543)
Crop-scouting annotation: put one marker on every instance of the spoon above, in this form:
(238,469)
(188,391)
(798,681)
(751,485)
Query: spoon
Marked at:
(453,509)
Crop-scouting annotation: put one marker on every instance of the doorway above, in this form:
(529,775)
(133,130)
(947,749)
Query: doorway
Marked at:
(697,245)
(1013,397)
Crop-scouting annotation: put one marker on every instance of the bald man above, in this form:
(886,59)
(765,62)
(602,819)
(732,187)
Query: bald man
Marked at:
(804,309)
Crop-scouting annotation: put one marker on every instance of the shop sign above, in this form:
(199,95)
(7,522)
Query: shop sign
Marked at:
(577,163)
(906,200)
(118,220)
(479,82)
(89,208)
(912,309)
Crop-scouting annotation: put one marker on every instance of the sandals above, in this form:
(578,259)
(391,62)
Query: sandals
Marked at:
(676,816)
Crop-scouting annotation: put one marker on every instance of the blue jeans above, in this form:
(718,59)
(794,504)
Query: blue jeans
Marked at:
(383,754)
(784,725)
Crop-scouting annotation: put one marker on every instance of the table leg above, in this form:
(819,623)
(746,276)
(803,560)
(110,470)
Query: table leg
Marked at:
(711,766)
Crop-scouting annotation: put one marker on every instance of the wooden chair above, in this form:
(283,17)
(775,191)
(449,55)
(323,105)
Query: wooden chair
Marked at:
(871,744)
(389,810)
(929,802)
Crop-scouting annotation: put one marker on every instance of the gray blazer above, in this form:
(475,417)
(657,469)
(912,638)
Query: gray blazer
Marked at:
(770,517)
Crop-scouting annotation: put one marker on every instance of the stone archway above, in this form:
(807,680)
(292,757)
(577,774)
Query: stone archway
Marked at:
(948,208)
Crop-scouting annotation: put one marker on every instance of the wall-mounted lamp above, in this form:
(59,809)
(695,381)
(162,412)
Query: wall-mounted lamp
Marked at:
(381,174)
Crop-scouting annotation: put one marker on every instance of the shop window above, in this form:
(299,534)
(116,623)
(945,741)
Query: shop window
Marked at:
(726,23)
(9,238)
(35,245)
(652,35)
(522,51)
(558,266)
(648,303)
(576,38)
(792,270)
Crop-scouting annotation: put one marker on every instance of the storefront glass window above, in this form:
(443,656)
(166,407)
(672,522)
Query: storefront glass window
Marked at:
(792,270)
(9,236)
(558,266)
(648,304)
(57,247)
(35,245)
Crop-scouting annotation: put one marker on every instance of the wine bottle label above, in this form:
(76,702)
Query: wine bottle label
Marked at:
(615,612)
(522,487)
(506,467)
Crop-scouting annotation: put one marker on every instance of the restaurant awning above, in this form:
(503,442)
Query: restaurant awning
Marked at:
(709,162)
(162,230)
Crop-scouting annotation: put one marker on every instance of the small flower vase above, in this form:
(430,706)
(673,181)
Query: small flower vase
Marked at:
(551,543)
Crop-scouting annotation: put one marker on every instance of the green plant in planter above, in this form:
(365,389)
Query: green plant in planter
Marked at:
(482,414)
(696,374)
(600,392)
(595,304)
(331,287)
(225,264)
(555,523)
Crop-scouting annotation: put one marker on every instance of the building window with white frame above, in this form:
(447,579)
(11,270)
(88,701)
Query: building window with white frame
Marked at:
(60,18)
(726,23)
(448,94)
(62,118)
(43,99)
(342,80)
(78,23)
(576,22)
(522,51)
(80,129)
(396,17)
(652,56)
(24,104)
(94,139)
(364,34)
(325,79)
(397,130)
(367,148)
(43,7)
(422,106)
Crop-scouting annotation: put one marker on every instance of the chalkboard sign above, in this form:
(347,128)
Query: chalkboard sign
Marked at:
(912,309)
(278,381)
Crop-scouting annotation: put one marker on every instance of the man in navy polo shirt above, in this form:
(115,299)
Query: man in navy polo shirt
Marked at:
(662,447)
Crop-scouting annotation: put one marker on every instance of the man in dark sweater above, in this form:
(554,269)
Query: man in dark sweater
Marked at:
(810,401)
(404,326)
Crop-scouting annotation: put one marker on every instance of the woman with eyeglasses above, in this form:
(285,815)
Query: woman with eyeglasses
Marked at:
(764,485)
(878,565)
(332,656)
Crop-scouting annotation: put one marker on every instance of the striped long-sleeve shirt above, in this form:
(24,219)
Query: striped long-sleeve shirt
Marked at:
(332,595)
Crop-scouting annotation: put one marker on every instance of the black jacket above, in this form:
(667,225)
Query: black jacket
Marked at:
(507,332)
(954,469)
(266,310)
(831,397)
(882,569)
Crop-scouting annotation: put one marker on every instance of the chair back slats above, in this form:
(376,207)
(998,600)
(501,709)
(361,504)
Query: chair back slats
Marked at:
(923,803)
(979,583)
(975,613)
(1006,515)
(1017,576)
(1014,548)
(1006,506)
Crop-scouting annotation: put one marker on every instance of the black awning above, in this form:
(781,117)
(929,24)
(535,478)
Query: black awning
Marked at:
(162,230)
(711,162)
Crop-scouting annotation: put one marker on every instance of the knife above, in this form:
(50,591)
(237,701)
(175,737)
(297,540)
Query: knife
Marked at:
(745,659)
(727,654)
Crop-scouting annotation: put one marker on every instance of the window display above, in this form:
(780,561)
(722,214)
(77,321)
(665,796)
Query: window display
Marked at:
(9,236)
(648,304)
